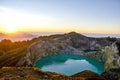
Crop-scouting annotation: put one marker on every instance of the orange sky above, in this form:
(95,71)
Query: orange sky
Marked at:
(59,17)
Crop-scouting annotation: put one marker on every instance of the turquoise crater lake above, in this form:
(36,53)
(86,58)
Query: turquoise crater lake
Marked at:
(68,64)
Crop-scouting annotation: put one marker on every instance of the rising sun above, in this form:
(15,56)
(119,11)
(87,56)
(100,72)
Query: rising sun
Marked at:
(10,29)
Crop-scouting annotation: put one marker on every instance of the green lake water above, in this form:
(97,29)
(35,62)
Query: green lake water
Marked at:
(68,64)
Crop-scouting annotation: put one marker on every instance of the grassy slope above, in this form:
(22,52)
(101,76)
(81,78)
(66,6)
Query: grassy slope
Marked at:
(12,57)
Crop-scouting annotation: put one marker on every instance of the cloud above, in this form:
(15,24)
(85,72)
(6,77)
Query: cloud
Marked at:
(4,9)
(14,17)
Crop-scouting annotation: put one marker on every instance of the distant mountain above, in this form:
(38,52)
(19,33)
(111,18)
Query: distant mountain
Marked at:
(17,36)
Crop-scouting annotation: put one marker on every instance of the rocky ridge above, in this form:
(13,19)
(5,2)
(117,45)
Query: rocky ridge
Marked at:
(73,42)
(106,50)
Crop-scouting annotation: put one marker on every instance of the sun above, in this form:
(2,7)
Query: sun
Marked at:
(10,29)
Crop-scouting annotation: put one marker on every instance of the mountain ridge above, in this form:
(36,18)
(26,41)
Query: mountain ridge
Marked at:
(73,43)
(65,43)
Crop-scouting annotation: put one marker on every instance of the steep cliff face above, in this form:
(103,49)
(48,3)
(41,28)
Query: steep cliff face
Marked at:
(67,43)
(74,43)
(112,58)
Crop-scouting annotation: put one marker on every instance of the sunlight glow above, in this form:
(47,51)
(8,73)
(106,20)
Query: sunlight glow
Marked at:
(9,29)
(21,20)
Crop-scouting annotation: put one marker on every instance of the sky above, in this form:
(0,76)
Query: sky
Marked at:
(85,16)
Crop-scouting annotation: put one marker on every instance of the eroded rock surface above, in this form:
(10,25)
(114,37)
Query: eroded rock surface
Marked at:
(74,43)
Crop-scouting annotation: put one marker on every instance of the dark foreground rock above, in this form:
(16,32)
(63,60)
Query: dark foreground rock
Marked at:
(29,73)
(112,74)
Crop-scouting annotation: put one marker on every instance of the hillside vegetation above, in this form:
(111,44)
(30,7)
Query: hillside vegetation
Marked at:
(12,52)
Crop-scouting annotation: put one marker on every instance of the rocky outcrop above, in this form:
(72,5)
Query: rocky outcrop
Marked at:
(74,43)
(112,58)
(29,73)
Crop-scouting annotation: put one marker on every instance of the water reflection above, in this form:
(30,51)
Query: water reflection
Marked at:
(69,64)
